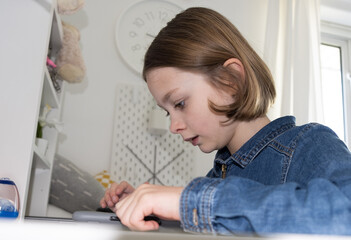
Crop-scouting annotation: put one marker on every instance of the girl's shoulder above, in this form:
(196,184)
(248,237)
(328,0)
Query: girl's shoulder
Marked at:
(317,141)
(314,139)
(314,132)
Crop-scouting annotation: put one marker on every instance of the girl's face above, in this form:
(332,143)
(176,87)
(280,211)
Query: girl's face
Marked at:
(184,96)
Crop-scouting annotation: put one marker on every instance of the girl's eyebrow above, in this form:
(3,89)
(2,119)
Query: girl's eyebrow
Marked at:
(168,95)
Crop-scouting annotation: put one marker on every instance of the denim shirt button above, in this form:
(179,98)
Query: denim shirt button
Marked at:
(195,219)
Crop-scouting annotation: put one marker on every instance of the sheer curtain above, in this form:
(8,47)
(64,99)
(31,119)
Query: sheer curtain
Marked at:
(292,46)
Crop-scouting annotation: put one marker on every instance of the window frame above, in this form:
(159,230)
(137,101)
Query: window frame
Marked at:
(340,36)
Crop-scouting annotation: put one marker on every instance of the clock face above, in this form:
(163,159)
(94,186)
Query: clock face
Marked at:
(138,26)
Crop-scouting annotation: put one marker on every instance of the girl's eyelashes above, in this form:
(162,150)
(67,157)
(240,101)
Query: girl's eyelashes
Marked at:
(180,104)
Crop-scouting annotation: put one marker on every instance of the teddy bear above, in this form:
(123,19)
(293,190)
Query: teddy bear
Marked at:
(70,63)
(66,7)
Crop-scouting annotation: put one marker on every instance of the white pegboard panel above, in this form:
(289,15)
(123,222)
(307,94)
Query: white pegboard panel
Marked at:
(139,156)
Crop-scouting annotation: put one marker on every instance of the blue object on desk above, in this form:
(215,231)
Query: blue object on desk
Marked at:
(9,199)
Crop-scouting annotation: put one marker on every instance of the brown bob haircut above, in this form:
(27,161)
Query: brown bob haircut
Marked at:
(200,39)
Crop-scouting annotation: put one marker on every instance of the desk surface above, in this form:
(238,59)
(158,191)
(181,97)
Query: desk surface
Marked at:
(37,230)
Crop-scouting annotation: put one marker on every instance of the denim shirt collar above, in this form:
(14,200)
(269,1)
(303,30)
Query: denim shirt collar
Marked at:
(254,145)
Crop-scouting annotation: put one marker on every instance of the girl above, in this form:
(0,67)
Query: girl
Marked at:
(267,176)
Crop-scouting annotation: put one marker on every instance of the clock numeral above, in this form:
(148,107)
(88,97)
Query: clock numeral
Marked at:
(139,22)
(163,16)
(132,34)
(150,16)
(136,47)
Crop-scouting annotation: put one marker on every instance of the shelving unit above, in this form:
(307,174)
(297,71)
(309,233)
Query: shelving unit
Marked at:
(31,28)
(40,179)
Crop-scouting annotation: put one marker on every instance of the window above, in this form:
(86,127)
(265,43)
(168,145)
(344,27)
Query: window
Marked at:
(332,91)
(336,88)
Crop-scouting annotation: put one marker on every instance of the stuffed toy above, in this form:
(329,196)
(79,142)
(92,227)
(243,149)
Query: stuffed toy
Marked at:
(66,7)
(70,63)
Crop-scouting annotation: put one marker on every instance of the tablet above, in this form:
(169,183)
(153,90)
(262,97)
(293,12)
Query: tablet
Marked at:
(104,217)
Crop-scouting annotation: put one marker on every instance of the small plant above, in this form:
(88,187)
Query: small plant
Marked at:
(39,131)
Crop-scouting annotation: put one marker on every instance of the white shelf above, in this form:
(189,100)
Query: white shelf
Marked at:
(56,35)
(49,95)
(33,31)
(40,160)
(41,169)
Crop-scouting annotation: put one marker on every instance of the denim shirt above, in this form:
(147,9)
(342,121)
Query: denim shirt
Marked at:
(285,179)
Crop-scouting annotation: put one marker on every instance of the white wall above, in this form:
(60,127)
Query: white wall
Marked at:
(336,11)
(88,107)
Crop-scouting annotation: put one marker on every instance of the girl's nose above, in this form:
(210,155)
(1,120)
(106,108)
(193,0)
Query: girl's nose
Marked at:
(176,126)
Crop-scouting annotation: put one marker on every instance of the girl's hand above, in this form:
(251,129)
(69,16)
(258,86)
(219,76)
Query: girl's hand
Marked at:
(147,199)
(116,193)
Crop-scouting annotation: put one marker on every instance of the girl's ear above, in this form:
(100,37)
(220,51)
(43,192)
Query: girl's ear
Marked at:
(236,65)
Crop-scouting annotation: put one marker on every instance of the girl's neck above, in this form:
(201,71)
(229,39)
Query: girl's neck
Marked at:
(244,131)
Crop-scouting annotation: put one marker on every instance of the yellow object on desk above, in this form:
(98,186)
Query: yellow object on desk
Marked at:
(104,178)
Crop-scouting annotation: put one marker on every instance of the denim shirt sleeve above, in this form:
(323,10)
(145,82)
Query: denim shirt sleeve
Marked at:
(238,205)
(235,205)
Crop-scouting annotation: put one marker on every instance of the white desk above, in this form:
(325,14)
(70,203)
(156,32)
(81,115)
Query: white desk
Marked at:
(37,230)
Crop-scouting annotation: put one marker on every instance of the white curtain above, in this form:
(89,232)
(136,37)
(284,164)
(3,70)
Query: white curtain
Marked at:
(292,45)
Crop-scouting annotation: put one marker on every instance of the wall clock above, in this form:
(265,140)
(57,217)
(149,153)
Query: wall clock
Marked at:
(137,27)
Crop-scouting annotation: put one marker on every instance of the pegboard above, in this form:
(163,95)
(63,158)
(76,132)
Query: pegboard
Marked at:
(139,156)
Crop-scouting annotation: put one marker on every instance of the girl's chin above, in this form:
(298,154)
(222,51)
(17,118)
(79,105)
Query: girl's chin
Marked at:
(206,150)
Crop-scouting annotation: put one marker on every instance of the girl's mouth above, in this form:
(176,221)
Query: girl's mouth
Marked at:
(195,140)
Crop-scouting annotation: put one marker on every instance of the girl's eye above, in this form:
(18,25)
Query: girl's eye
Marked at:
(180,105)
